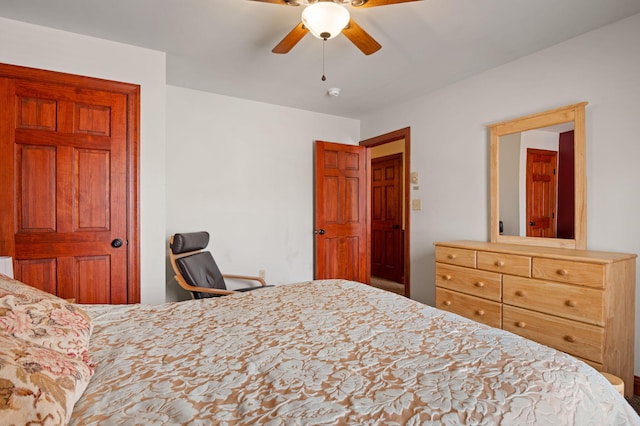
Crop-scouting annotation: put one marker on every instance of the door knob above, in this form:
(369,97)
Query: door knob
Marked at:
(116,243)
(532,224)
(319,231)
(396,226)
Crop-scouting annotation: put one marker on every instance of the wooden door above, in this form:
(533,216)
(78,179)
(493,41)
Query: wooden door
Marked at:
(387,260)
(566,211)
(69,205)
(341,240)
(541,192)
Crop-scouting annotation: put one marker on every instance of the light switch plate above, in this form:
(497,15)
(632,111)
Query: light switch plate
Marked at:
(416,204)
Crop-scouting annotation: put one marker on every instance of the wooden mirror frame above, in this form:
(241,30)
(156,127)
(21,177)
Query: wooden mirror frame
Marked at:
(571,113)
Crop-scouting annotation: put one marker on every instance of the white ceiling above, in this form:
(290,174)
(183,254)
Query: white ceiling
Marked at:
(224,46)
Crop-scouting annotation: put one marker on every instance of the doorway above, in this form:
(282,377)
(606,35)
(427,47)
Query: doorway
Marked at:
(389,244)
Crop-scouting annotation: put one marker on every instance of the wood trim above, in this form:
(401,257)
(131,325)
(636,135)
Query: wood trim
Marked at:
(404,133)
(132,92)
(35,74)
(538,119)
(572,113)
(494,188)
(580,176)
(367,155)
(133,194)
(7,165)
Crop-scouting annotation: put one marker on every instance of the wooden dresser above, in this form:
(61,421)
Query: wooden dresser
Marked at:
(578,301)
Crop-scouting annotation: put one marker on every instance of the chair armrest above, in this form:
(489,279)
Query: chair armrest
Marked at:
(212,290)
(192,288)
(246,277)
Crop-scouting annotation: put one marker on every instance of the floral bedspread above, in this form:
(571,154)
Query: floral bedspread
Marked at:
(328,352)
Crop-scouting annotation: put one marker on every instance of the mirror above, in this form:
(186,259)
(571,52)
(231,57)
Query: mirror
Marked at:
(538,179)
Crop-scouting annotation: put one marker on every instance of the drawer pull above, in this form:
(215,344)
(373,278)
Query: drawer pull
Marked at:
(520,293)
(451,256)
(570,339)
(499,263)
(480,312)
(521,324)
(571,303)
(447,277)
(563,272)
(479,284)
(446,302)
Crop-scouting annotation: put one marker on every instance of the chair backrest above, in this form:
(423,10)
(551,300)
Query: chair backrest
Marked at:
(194,266)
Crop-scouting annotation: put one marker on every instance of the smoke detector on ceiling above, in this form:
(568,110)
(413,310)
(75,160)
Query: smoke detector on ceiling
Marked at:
(334,92)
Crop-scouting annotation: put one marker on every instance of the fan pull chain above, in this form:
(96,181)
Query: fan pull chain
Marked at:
(324,42)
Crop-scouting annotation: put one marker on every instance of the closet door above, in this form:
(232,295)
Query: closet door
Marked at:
(69,206)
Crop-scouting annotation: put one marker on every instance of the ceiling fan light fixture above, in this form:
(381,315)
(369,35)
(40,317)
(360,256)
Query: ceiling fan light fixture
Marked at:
(325,20)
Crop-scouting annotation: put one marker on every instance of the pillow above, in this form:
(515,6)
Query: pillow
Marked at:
(13,286)
(38,385)
(44,319)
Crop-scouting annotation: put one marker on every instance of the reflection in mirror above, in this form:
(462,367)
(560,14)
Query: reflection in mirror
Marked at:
(538,179)
(537,182)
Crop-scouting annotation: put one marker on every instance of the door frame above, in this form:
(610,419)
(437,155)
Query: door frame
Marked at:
(132,93)
(404,133)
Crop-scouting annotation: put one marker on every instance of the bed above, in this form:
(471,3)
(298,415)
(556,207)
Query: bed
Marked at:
(319,352)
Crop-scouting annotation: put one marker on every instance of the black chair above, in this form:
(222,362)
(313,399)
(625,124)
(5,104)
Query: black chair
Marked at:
(196,270)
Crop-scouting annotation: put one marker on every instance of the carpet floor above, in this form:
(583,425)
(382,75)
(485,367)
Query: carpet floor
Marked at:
(383,284)
(634,401)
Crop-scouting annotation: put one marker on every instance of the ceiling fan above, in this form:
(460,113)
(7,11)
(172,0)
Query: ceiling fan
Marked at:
(325,19)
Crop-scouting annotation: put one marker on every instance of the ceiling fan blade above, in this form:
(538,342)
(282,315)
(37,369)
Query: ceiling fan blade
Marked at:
(361,38)
(283,2)
(291,39)
(374,3)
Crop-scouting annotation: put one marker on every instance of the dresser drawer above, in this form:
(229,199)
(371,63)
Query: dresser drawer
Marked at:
(582,273)
(471,281)
(595,365)
(506,263)
(475,308)
(564,300)
(456,256)
(575,338)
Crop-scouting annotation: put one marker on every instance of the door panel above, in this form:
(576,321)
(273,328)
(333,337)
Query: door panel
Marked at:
(36,188)
(41,273)
(69,145)
(387,260)
(341,212)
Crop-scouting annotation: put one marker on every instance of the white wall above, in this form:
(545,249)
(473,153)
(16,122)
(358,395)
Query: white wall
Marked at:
(243,171)
(450,147)
(509,183)
(40,47)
